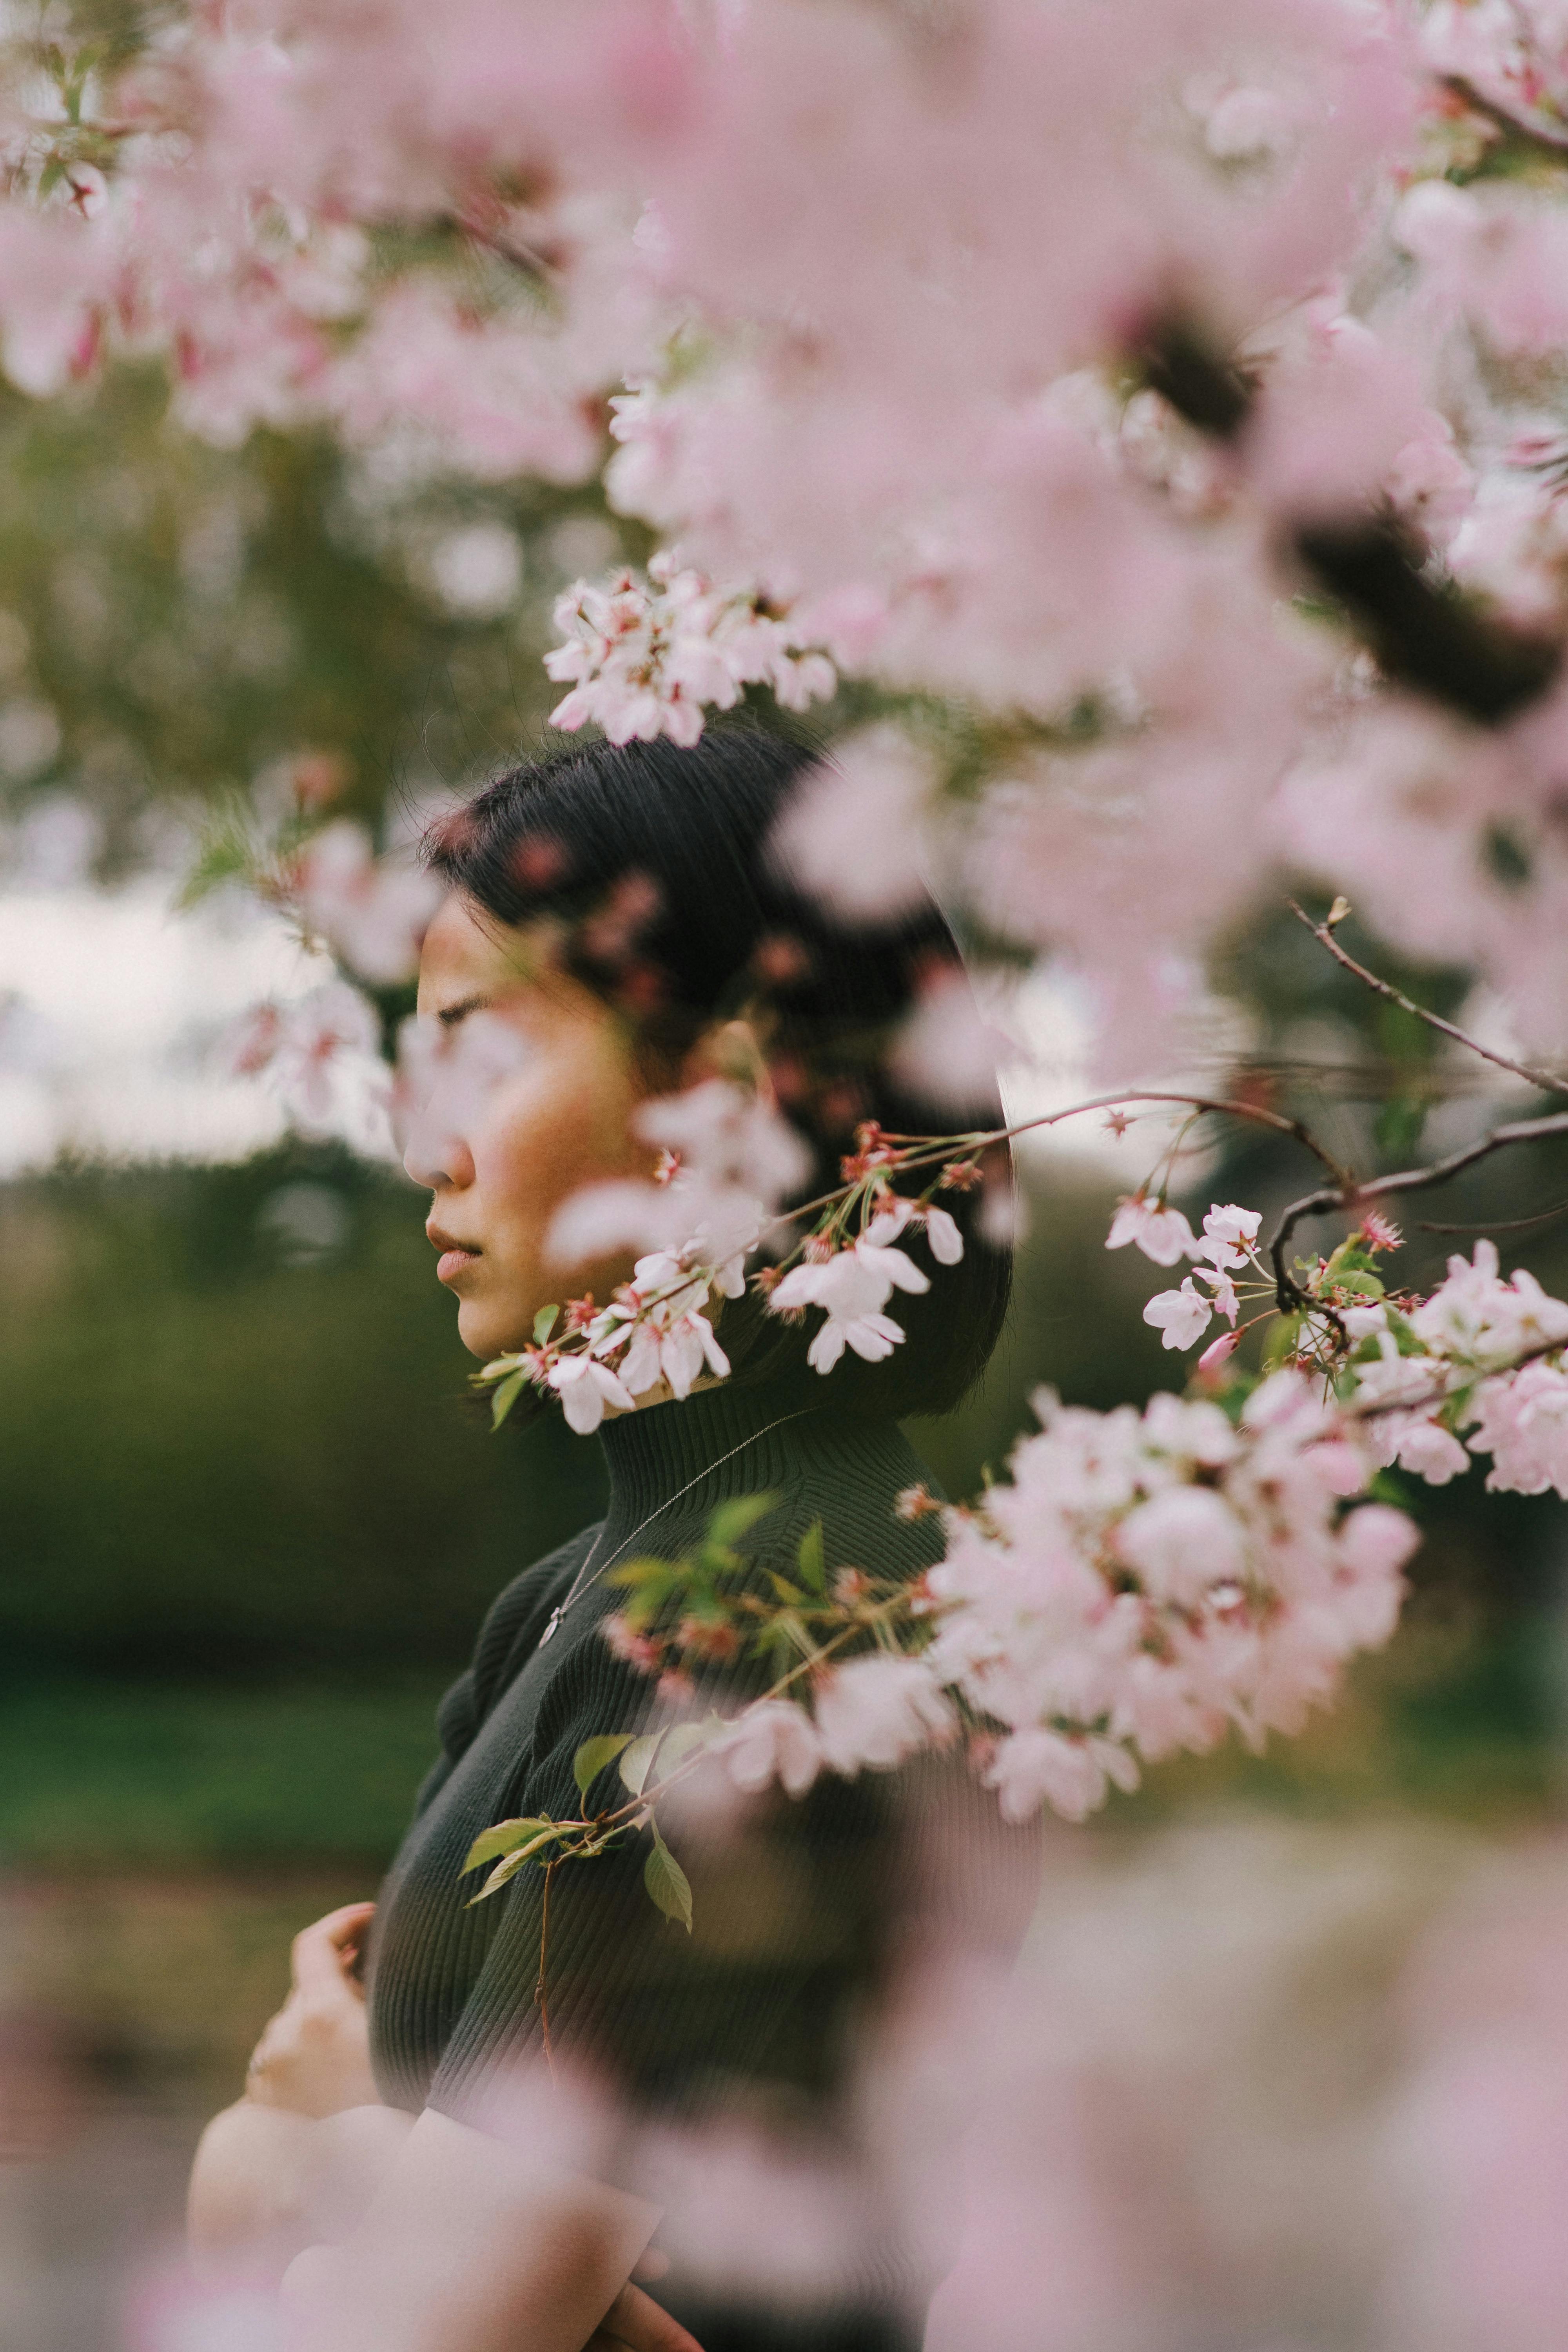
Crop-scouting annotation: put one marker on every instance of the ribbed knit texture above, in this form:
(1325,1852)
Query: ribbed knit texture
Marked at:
(796,1921)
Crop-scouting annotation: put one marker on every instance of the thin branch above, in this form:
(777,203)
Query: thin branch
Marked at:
(540,1990)
(1325,937)
(1448,1387)
(1330,1198)
(961,1147)
(1422,634)
(1492,1225)
(1514,124)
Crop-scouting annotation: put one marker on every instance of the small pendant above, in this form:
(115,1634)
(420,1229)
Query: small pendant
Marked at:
(550,1623)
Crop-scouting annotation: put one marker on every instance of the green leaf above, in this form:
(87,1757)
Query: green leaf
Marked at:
(1404,1338)
(513,1861)
(790,1594)
(503,1837)
(636,1760)
(1358,1286)
(1397,1128)
(594,1755)
(811,1559)
(544,1323)
(684,1740)
(730,1520)
(666,1882)
(506,1396)
(645,1572)
(670,1747)
(1281,1337)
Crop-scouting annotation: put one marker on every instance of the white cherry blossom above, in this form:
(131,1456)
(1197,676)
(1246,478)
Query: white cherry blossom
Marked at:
(1162,1234)
(1179,1316)
(585,1386)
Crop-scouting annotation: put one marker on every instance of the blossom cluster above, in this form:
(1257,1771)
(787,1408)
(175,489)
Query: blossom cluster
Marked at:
(1475,1367)
(1140,1583)
(728,1160)
(371,911)
(645,657)
(320,1054)
(991,363)
(1226,1245)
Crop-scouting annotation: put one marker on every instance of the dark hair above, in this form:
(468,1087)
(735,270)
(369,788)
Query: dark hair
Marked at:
(678,913)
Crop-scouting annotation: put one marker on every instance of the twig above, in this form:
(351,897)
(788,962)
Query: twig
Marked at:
(540,1990)
(1448,1387)
(1384,988)
(1330,1198)
(1516,127)
(960,1146)
(1493,1225)
(1420,634)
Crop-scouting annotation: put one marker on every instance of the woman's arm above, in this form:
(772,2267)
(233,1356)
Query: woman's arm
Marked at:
(294,2160)
(470,2244)
(266,2183)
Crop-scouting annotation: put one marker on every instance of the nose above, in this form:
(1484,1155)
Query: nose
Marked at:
(439,1161)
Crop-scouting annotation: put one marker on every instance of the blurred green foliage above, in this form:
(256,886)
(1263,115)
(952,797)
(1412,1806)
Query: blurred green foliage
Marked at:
(252,1521)
(240,1442)
(116,1774)
(192,617)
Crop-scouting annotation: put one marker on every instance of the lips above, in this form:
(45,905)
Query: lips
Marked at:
(454,1255)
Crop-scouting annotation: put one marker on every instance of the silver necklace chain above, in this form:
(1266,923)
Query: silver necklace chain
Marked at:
(581,1582)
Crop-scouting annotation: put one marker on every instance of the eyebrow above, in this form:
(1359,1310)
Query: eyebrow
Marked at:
(450,1014)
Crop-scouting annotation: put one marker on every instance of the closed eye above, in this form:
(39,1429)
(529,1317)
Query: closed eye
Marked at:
(450,1014)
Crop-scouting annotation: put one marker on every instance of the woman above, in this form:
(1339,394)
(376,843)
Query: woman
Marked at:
(619,926)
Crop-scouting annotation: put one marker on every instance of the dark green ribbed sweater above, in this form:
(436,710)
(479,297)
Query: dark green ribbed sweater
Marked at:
(797,1921)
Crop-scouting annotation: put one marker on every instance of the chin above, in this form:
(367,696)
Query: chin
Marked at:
(486,1330)
(482,1332)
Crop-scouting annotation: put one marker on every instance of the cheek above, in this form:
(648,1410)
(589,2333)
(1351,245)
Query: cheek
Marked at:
(567,1125)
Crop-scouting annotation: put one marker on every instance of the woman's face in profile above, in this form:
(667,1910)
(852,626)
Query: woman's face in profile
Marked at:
(523,1092)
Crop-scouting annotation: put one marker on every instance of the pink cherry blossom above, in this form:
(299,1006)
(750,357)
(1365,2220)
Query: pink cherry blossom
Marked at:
(645,660)
(677,1348)
(372,912)
(775,1739)
(872,1713)
(1182,1541)
(1522,1422)
(852,833)
(1070,1772)
(317,1051)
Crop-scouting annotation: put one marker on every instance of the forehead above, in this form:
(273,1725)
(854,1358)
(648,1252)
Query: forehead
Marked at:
(465,956)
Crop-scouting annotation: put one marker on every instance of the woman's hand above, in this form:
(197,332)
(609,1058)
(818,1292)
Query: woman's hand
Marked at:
(475,2245)
(313,2058)
(635,2323)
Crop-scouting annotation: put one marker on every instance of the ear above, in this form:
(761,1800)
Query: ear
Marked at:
(730,1049)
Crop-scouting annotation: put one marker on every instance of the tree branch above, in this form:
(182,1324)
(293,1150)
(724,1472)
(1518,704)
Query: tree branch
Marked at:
(1330,1198)
(1493,1225)
(1384,988)
(1555,142)
(1422,634)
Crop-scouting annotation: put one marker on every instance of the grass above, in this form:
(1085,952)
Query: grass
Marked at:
(121,1776)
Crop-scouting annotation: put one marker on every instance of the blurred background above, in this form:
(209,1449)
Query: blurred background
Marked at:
(249,1519)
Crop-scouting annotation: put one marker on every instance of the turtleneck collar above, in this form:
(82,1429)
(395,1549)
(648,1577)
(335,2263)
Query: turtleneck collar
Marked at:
(730,1441)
